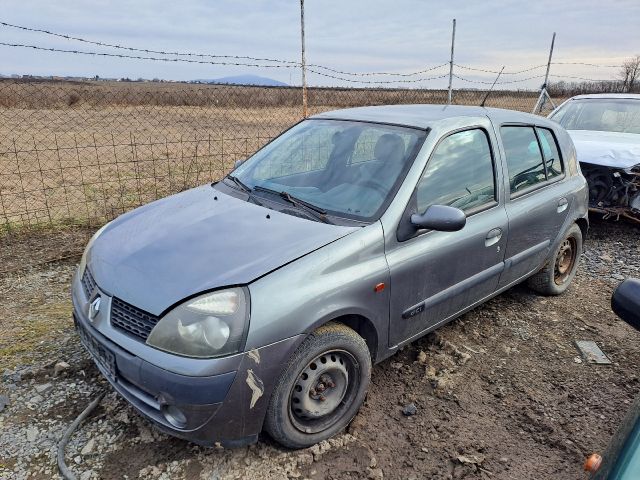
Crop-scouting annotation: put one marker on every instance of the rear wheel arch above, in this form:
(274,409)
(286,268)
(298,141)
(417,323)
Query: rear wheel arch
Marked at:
(583,223)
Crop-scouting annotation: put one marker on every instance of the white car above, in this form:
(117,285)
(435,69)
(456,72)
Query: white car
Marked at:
(605,129)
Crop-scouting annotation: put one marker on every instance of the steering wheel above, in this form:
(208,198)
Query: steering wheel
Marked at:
(526,178)
(374,185)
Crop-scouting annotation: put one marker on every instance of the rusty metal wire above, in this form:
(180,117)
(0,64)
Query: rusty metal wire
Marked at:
(231,59)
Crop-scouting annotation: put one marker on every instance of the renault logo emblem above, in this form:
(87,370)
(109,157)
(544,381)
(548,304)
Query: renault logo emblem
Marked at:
(94,308)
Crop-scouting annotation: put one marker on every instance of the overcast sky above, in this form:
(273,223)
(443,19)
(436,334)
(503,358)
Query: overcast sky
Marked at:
(350,35)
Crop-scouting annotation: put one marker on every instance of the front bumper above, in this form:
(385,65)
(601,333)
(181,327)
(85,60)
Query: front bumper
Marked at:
(224,401)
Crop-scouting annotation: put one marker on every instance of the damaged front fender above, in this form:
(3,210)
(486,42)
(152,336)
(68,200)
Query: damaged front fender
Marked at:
(614,192)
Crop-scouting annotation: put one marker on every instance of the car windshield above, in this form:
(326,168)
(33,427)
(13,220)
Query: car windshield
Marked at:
(606,115)
(344,168)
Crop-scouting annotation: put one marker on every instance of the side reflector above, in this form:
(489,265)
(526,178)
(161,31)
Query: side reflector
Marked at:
(378,288)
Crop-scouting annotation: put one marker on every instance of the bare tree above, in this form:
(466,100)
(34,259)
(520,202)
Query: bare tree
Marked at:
(630,73)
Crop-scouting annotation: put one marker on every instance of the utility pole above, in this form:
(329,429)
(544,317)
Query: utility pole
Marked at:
(453,40)
(305,111)
(544,94)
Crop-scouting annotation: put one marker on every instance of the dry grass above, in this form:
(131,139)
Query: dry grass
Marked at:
(87,151)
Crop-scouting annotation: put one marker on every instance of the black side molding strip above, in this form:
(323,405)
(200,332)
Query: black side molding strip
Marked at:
(454,290)
(529,252)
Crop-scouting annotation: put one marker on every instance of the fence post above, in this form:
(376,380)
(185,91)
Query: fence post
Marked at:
(305,111)
(453,40)
(544,94)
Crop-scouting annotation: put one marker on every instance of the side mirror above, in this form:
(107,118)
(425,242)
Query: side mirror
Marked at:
(238,163)
(625,302)
(441,218)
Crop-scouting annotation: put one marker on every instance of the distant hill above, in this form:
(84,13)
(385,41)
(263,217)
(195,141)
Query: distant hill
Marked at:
(246,80)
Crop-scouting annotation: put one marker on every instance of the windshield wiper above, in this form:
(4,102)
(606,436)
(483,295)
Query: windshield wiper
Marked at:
(314,210)
(245,189)
(239,183)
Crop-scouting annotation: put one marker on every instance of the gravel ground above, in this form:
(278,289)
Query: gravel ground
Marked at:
(501,393)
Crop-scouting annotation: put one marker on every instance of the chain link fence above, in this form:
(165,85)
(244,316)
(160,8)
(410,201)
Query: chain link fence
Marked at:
(83,152)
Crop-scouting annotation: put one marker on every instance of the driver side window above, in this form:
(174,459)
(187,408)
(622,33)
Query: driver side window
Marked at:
(459,173)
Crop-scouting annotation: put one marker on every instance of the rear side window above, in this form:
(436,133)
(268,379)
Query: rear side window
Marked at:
(459,173)
(524,158)
(551,153)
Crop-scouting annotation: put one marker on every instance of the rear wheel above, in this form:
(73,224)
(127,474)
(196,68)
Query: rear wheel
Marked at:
(321,388)
(556,276)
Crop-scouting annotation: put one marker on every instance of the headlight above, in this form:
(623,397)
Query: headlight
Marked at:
(210,325)
(83,260)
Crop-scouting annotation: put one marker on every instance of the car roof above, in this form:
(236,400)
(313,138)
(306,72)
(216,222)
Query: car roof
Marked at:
(425,116)
(630,96)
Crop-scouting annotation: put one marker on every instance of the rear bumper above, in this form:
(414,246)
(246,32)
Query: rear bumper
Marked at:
(226,407)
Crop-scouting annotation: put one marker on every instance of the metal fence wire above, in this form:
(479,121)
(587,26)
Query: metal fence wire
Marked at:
(83,152)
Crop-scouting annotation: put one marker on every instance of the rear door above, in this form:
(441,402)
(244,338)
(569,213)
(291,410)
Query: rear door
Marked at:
(537,203)
(435,275)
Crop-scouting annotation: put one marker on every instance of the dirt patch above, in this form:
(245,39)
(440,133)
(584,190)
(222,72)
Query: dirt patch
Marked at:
(501,393)
(26,248)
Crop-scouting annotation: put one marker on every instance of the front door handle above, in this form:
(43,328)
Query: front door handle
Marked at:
(562,205)
(493,237)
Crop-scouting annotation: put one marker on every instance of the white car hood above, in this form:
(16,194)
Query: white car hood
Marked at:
(607,149)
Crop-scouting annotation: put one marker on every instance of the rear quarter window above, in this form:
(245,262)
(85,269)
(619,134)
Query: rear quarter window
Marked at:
(551,153)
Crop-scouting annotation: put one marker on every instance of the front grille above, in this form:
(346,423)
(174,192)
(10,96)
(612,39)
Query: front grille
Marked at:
(131,319)
(88,283)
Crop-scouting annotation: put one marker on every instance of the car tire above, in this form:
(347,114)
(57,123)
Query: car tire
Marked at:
(556,276)
(333,363)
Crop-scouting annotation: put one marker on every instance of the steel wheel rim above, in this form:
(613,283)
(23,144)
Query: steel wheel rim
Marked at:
(565,260)
(332,375)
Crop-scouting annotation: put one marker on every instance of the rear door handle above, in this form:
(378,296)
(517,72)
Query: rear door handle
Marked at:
(562,205)
(493,237)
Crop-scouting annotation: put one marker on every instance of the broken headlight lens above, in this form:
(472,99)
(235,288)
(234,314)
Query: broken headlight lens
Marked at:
(211,325)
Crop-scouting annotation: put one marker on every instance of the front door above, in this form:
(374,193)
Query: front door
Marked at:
(435,275)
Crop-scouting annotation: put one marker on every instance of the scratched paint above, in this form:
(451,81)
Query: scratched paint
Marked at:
(257,387)
(254,355)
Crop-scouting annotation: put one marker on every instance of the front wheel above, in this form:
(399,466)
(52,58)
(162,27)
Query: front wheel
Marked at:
(556,276)
(321,388)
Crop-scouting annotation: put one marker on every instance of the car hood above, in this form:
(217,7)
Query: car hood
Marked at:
(163,252)
(608,149)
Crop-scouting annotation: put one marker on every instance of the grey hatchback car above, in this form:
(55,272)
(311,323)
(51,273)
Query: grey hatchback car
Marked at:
(261,301)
